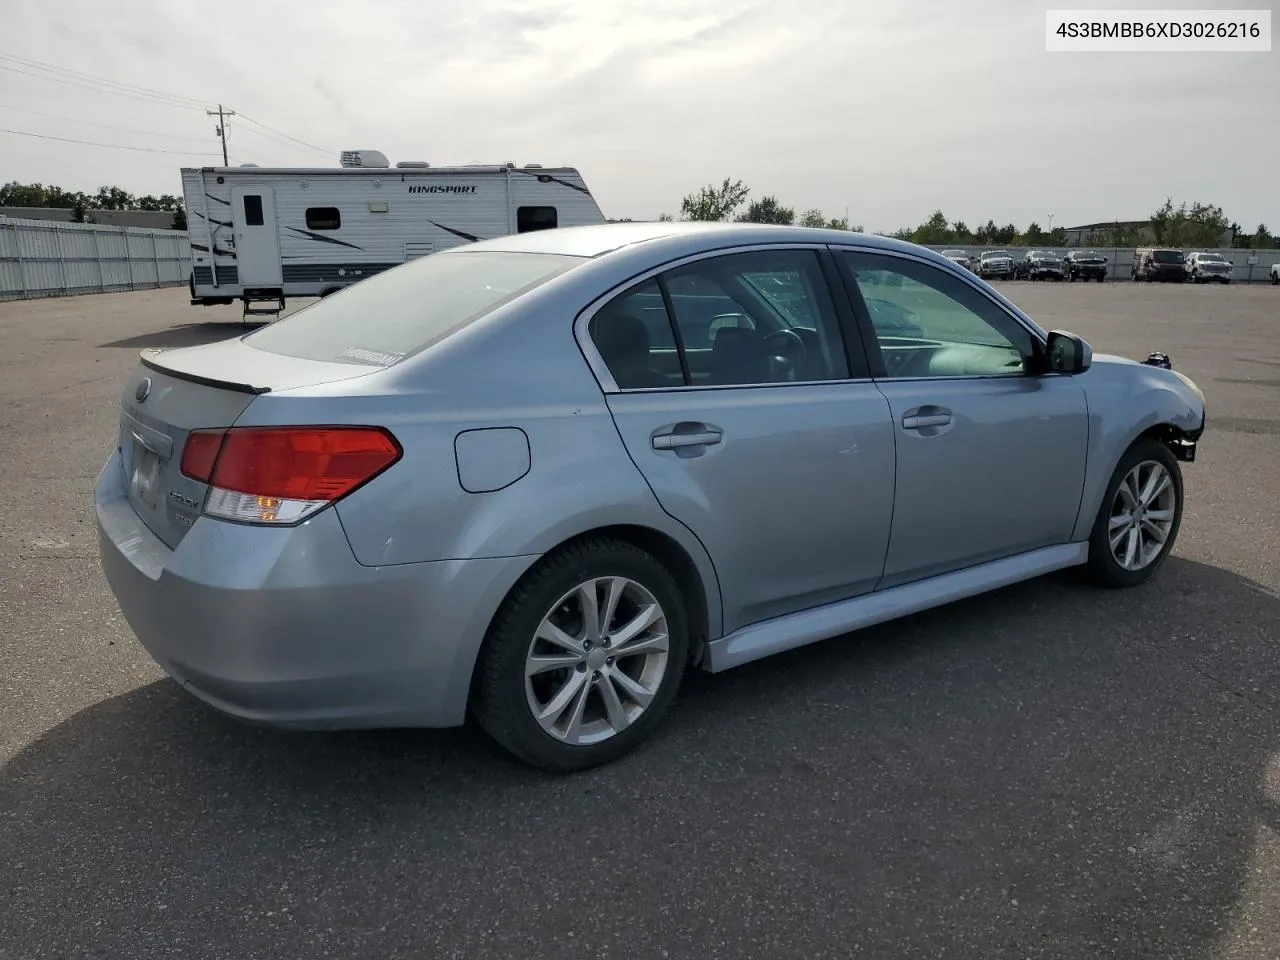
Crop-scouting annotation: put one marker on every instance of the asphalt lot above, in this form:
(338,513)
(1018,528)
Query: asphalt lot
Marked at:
(1047,771)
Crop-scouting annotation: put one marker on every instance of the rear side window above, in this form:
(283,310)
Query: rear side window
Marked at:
(252,210)
(406,309)
(323,218)
(535,218)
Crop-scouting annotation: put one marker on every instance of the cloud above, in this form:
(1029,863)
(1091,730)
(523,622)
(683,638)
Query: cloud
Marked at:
(891,108)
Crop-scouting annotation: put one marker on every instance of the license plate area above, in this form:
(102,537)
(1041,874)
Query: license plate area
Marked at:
(144,481)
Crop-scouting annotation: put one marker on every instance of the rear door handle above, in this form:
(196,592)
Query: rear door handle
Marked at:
(673,440)
(915,422)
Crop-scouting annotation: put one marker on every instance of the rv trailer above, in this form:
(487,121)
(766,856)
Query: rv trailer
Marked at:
(262,234)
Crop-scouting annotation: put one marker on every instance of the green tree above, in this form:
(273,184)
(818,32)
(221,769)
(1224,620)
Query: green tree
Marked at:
(113,198)
(1261,239)
(961,232)
(813,218)
(767,210)
(714,203)
(935,230)
(665,218)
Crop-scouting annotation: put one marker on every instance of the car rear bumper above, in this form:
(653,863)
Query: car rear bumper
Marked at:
(284,627)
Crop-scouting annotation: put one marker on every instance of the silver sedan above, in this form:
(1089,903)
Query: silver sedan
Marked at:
(534,479)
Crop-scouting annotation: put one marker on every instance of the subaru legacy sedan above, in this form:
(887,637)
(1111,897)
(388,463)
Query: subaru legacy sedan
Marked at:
(535,479)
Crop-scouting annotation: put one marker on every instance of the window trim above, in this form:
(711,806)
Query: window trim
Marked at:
(537,206)
(858,361)
(306,217)
(867,332)
(262,209)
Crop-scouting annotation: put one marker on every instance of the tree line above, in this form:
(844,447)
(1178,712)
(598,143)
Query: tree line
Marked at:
(724,202)
(14,194)
(1187,225)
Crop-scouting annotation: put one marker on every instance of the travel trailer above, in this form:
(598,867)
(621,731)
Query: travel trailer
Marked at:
(262,234)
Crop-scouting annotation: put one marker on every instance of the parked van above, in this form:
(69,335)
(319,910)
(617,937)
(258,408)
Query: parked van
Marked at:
(1157,263)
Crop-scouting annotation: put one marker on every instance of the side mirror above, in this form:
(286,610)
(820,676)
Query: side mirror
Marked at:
(1067,353)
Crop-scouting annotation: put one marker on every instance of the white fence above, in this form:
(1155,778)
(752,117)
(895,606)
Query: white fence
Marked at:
(46,258)
(1251,266)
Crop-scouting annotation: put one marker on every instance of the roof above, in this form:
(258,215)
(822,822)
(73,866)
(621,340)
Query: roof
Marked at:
(464,170)
(591,241)
(1110,224)
(150,219)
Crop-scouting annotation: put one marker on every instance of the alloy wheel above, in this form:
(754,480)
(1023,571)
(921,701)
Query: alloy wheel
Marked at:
(1142,515)
(596,660)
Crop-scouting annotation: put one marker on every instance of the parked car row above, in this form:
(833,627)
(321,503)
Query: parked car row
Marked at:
(1037,265)
(1170,265)
(1149,264)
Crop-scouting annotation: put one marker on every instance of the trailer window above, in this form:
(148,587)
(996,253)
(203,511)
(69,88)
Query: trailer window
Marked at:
(535,218)
(323,218)
(252,210)
(408,308)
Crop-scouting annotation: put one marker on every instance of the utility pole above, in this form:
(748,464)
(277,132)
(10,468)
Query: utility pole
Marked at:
(222,129)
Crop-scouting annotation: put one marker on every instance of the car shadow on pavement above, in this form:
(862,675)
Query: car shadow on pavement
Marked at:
(1050,770)
(185,335)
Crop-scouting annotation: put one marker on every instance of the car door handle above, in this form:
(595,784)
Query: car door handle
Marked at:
(673,440)
(916,421)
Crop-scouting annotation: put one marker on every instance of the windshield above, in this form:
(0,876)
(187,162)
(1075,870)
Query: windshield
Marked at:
(995,253)
(1167,256)
(1213,257)
(406,309)
(954,253)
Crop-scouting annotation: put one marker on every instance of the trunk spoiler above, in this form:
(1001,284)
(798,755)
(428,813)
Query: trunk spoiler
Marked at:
(151,362)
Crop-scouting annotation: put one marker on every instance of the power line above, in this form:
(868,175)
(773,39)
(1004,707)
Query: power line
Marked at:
(102,81)
(114,146)
(145,94)
(109,126)
(301,143)
(87,86)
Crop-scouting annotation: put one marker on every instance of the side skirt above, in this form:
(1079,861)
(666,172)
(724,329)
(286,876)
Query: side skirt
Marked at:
(764,639)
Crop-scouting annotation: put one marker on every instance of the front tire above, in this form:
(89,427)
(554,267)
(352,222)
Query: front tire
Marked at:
(583,658)
(1138,521)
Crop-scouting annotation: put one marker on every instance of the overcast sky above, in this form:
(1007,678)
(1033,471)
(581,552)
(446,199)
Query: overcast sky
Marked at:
(891,109)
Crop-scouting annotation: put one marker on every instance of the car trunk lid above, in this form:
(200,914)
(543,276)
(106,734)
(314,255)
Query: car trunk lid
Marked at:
(172,393)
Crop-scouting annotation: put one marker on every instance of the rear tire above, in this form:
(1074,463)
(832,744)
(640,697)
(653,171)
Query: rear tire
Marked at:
(1111,541)
(607,707)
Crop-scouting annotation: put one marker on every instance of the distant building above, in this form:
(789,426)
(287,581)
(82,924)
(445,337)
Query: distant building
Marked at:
(154,219)
(1082,235)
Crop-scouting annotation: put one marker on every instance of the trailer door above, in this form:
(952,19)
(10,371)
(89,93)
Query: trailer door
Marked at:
(257,237)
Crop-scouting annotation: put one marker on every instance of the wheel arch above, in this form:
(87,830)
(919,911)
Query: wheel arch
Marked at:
(1160,428)
(693,573)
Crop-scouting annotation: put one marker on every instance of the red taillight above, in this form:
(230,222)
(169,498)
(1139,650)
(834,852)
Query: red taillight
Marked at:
(302,463)
(283,474)
(200,453)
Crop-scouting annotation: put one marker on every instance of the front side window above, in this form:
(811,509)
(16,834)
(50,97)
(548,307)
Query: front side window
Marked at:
(929,323)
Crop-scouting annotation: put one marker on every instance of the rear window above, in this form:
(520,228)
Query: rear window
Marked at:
(1167,256)
(406,309)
